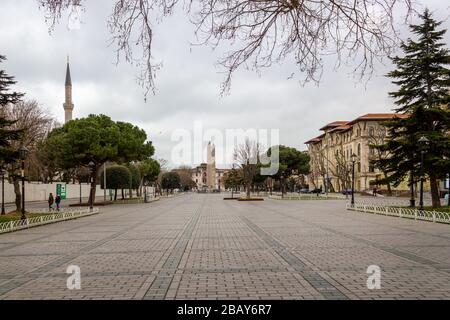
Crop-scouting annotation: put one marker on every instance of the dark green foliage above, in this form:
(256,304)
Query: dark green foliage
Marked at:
(290,161)
(80,141)
(132,145)
(423,79)
(117,177)
(135,176)
(149,169)
(99,139)
(6,134)
(170,181)
(233,179)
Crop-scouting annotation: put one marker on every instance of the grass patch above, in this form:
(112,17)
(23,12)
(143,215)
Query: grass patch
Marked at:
(13,216)
(440,209)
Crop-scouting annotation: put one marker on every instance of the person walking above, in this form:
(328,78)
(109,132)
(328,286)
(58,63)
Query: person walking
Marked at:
(50,202)
(57,201)
(374,191)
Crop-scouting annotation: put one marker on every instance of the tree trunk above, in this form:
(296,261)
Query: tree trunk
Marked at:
(248,191)
(435,199)
(388,185)
(115,194)
(141,185)
(93,186)
(18,194)
(131,193)
(123,197)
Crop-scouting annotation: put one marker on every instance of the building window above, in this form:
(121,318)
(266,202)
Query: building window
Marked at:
(359,149)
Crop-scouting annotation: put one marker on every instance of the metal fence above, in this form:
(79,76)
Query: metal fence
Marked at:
(306,197)
(67,214)
(410,213)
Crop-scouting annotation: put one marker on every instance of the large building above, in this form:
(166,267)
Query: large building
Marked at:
(331,152)
(68,104)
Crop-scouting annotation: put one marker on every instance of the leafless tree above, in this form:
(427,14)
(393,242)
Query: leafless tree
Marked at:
(247,156)
(322,165)
(164,168)
(35,123)
(258,32)
(341,170)
(185,177)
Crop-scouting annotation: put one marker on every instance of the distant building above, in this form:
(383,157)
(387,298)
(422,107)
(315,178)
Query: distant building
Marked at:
(330,153)
(68,104)
(206,176)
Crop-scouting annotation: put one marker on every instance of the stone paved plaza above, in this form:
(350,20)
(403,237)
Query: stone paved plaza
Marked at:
(201,247)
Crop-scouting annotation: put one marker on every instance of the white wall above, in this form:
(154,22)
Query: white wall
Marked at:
(40,192)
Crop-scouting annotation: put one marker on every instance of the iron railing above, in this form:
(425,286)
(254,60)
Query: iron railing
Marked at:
(306,197)
(410,213)
(67,214)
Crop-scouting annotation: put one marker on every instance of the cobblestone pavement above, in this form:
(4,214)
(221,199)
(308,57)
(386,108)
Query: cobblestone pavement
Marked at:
(201,247)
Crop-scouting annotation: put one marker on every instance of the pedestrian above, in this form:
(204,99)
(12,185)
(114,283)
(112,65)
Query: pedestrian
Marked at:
(374,191)
(57,201)
(50,202)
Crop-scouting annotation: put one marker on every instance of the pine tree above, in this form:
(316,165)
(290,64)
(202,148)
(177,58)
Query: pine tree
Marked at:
(6,98)
(424,80)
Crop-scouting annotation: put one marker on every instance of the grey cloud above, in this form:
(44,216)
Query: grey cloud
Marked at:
(188,84)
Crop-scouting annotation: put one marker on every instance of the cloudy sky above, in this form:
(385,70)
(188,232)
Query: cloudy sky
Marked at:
(188,85)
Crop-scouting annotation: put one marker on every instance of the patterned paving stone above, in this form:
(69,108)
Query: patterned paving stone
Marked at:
(14,265)
(59,247)
(198,246)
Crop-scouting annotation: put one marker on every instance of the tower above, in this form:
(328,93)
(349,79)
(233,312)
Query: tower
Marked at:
(211,166)
(68,105)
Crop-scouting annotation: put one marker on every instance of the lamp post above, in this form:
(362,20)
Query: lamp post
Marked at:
(145,192)
(79,180)
(23,151)
(91,195)
(104,182)
(412,200)
(448,193)
(423,142)
(3,171)
(354,157)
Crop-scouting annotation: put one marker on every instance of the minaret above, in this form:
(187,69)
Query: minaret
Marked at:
(68,105)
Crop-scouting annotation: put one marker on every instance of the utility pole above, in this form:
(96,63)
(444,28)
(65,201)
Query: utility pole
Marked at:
(104,182)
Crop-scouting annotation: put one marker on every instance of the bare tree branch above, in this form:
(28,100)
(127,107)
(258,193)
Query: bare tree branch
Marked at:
(259,33)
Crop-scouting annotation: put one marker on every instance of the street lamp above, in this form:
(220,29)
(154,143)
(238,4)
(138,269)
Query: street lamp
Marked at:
(104,182)
(353,157)
(3,171)
(423,142)
(91,196)
(23,152)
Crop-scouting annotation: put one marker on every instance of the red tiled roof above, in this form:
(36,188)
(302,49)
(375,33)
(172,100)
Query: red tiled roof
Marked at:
(378,116)
(340,128)
(333,124)
(316,139)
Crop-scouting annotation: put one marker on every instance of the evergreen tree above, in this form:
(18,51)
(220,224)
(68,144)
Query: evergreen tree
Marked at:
(6,98)
(424,80)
